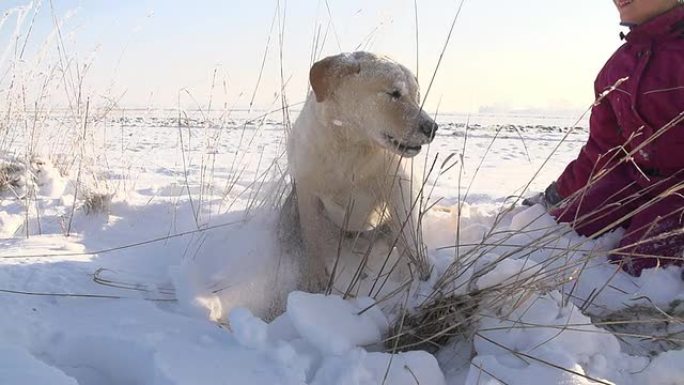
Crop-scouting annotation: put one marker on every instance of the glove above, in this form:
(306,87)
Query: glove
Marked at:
(549,198)
(536,199)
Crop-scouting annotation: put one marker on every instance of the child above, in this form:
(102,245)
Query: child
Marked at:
(630,173)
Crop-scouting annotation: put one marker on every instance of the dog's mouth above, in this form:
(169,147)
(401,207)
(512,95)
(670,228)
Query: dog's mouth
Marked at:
(402,148)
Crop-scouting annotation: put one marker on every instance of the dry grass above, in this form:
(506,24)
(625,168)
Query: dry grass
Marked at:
(647,330)
(10,176)
(435,324)
(95,203)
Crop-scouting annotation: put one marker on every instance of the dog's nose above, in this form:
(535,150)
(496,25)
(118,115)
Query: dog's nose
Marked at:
(429,128)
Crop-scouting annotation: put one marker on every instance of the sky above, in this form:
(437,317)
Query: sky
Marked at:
(502,55)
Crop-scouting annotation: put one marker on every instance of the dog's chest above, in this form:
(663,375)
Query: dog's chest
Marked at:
(355,212)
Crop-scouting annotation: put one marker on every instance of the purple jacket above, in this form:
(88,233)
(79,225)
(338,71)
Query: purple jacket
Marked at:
(653,60)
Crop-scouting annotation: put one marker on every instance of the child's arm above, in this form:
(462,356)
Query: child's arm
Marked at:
(604,140)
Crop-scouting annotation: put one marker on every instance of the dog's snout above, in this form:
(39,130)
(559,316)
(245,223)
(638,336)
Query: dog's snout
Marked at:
(429,128)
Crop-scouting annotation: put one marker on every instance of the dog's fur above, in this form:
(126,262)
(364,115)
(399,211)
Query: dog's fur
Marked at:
(345,156)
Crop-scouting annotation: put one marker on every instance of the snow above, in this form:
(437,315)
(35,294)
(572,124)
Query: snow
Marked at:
(666,369)
(507,272)
(361,368)
(17,366)
(566,348)
(334,325)
(178,279)
(250,331)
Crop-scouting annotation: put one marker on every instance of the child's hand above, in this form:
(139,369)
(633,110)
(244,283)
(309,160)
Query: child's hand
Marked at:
(548,198)
(551,195)
(536,199)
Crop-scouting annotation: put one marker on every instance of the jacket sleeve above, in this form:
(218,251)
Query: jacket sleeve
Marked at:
(604,139)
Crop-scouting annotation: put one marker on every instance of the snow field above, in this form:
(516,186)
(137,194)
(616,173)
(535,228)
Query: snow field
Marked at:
(170,284)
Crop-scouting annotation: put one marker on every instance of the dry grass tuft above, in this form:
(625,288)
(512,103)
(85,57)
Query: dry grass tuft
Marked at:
(10,176)
(95,203)
(435,324)
(647,330)
(16,174)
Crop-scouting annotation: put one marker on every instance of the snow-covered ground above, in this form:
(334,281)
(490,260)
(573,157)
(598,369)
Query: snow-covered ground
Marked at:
(162,277)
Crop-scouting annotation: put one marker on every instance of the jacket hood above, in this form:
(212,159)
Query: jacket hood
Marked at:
(670,23)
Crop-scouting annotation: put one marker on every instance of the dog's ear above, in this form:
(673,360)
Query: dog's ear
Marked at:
(326,74)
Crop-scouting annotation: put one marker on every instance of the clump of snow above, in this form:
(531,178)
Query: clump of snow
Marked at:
(533,220)
(507,272)
(9,222)
(261,283)
(248,330)
(539,319)
(333,325)
(492,370)
(407,368)
(357,367)
(50,182)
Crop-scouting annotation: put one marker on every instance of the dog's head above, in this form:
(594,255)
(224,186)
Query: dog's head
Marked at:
(376,96)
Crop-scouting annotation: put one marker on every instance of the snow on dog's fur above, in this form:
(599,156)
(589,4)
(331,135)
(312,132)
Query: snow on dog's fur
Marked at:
(345,156)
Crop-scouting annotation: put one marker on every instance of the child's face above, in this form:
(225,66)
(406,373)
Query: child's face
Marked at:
(639,11)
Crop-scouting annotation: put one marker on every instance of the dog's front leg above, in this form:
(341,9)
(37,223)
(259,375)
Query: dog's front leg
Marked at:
(404,208)
(321,239)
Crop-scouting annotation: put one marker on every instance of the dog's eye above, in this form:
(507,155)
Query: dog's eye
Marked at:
(396,94)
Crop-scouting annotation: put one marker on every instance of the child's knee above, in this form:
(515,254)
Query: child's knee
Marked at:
(651,243)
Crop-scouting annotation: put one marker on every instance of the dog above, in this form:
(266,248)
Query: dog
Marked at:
(346,155)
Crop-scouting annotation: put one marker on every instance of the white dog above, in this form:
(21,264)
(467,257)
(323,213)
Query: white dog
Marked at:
(345,156)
